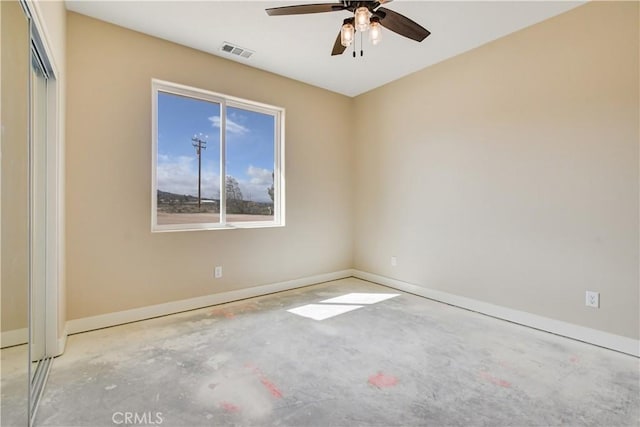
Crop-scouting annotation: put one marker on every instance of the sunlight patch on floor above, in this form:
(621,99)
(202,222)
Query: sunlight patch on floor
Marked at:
(322,311)
(360,298)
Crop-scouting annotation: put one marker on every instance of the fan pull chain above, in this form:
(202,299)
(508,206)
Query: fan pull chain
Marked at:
(361,51)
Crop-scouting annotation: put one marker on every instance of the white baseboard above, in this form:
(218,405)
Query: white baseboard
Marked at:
(558,327)
(112,319)
(19,337)
(62,342)
(14,337)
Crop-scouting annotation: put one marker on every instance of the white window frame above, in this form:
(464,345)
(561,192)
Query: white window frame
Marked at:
(224,100)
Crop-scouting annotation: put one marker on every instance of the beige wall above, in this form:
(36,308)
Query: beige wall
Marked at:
(509,174)
(114,262)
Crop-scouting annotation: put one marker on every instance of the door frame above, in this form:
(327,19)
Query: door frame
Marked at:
(55,336)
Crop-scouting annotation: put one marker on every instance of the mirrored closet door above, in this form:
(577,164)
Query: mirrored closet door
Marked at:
(25,121)
(38,224)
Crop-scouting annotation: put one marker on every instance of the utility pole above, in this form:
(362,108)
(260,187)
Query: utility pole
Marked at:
(199,144)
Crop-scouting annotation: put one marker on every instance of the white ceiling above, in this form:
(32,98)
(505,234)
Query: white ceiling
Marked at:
(299,46)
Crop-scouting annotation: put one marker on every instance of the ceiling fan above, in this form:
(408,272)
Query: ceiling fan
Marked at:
(367,16)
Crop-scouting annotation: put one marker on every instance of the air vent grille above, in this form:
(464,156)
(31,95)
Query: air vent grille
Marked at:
(236,50)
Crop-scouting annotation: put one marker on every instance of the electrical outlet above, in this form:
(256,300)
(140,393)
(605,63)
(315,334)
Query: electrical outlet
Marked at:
(394,261)
(217,273)
(593,299)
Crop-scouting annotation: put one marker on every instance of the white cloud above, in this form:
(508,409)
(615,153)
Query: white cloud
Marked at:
(255,187)
(232,127)
(179,175)
(259,176)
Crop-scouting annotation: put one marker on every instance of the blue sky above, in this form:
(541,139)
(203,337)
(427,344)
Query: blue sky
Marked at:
(249,147)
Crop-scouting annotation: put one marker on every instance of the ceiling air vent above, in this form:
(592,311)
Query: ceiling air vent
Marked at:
(235,50)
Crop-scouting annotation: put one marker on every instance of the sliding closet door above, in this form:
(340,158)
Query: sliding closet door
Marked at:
(38,208)
(14,212)
(38,228)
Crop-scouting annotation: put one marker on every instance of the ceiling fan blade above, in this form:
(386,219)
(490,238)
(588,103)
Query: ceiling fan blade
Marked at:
(338,49)
(305,8)
(378,3)
(401,24)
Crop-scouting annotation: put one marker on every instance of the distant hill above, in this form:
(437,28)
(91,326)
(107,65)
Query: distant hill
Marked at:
(166,197)
(186,203)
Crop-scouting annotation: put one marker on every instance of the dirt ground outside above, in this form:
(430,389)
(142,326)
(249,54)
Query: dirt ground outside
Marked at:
(165,218)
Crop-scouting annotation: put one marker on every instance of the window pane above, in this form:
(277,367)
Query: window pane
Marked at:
(250,142)
(188,169)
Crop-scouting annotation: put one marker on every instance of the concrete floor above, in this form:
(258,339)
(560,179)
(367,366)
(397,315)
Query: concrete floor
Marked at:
(406,361)
(13,386)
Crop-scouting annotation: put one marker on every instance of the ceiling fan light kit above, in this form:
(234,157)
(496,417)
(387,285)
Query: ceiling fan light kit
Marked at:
(375,31)
(347,33)
(362,15)
(366,16)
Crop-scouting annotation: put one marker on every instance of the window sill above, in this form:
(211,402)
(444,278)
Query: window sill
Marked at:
(214,227)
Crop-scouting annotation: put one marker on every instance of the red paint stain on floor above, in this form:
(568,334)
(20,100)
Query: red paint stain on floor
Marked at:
(222,312)
(248,307)
(271,387)
(231,312)
(381,380)
(229,407)
(493,380)
(574,359)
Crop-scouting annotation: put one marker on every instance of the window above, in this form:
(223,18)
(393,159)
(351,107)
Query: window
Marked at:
(218,161)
